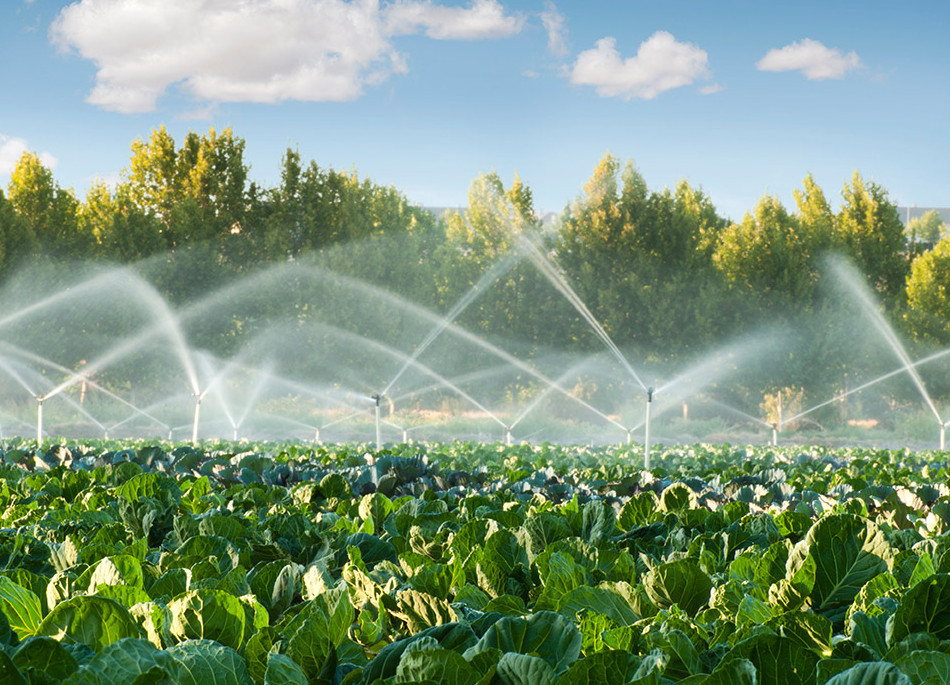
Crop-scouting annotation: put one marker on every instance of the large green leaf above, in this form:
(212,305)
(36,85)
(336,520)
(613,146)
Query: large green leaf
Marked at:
(598,600)
(455,636)
(282,670)
(871,673)
(681,583)
(93,621)
(126,661)
(21,607)
(420,610)
(778,660)
(925,608)
(848,552)
(523,669)
(550,636)
(425,660)
(926,667)
(310,645)
(207,614)
(43,657)
(9,673)
(609,666)
(205,662)
(120,569)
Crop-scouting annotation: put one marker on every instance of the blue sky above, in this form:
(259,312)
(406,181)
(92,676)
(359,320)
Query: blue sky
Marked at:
(740,98)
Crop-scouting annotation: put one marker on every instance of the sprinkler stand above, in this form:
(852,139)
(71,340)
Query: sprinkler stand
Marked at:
(646,430)
(194,425)
(39,421)
(379,429)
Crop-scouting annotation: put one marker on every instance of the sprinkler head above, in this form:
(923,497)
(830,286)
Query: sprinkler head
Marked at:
(650,392)
(376,397)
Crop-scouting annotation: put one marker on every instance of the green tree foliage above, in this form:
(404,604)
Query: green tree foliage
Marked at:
(641,260)
(123,232)
(485,246)
(872,234)
(16,236)
(50,211)
(314,208)
(928,294)
(196,193)
(767,252)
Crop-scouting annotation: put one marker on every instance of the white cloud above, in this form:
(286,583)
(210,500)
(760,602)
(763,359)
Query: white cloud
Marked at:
(553,22)
(661,63)
(711,88)
(263,51)
(810,57)
(11,149)
(483,19)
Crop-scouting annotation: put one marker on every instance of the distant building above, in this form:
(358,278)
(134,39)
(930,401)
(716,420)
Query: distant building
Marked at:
(908,213)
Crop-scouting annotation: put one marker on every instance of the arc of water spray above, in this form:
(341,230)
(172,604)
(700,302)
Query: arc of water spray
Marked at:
(492,274)
(889,336)
(79,376)
(879,379)
(557,279)
(166,320)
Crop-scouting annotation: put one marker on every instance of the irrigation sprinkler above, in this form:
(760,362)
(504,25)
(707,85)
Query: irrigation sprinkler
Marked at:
(194,425)
(646,430)
(508,439)
(316,435)
(39,421)
(774,434)
(943,435)
(377,398)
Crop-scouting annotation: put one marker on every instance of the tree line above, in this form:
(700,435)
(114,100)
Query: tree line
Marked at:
(661,270)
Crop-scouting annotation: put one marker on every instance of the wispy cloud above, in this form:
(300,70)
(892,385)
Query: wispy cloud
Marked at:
(812,58)
(661,63)
(554,23)
(482,19)
(264,51)
(12,148)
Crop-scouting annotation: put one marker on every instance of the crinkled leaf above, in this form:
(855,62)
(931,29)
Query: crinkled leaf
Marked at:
(871,673)
(925,608)
(778,660)
(207,614)
(282,670)
(681,583)
(522,669)
(44,655)
(545,634)
(426,660)
(94,621)
(598,600)
(926,667)
(205,662)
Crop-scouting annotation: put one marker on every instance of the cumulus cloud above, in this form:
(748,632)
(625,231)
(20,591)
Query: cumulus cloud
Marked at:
(812,58)
(553,22)
(264,51)
(483,19)
(661,63)
(12,148)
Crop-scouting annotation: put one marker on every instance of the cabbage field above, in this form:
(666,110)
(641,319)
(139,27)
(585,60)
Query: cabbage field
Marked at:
(472,564)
